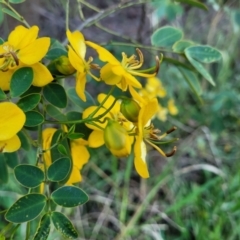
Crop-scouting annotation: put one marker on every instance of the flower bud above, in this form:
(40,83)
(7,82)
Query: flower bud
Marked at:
(130,109)
(117,139)
(64,66)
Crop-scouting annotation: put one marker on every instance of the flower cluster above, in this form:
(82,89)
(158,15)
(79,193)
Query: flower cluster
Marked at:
(124,125)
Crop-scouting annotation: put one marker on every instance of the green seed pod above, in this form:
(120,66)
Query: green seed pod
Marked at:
(130,109)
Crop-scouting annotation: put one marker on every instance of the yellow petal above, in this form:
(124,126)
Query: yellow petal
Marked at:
(148,111)
(77,42)
(75,176)
(131,80)
(35,51)
(10,145)
(103,53)
(96,139)
(91,109)
(172,107)
(139,158)
(108,76)
(136,96)
(41,75)
(80,85)
(12,119)
(47,135)
(5,79)
(21,37)
(80,154)
(76,61)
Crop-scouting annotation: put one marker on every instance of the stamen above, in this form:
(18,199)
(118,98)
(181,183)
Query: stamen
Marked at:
(15,58)
(172,152)
(171,130)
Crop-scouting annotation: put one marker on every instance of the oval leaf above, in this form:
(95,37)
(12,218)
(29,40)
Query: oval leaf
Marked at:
(71,92)
(62,150)
(55,113)
(166,36)
(59,169)
(199,67)
(29,102)
(26,208)
(204,54)
(29,175)
(69,196)
(16,1)
(63,225)
(55,94)
(24,140)
(43,228)
(11,13)
(33,119)
(181,45)
(3,169)
(11,159)
(21,81)
(3,96)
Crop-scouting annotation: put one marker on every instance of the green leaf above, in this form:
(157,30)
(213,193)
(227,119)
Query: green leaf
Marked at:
(62,149)
(28,175)
(32,90)
(24,140)
(26,208)
(166,36)
(59,170)
(181,45)
(56,50)
(43,228)
(204,54)
(33,118)
(21,81)
(73,136)
(71,92)
(3,169)
(192,81)
(29,102)
(69,196)
(236,18)
(194,3)
(55,94)
(12,14)
(199,67)
(16,1)
(11,159)
(55,113)
(3,96)
(63,225)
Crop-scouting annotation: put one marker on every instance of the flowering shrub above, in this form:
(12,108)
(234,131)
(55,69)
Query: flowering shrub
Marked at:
(34,73)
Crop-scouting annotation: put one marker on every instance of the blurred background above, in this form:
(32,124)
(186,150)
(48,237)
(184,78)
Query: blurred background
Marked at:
(194,194)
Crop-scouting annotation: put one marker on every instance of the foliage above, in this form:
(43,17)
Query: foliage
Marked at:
(66,117)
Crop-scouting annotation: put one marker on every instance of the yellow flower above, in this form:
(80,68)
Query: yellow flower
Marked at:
(121,73)
(96,138)
(145,132)
(76,55)
(12,120)
(154,87)
(79,153)
(23,49)
(172,107)
(162,113)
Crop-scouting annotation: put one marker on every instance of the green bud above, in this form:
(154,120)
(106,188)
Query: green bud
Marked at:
(64,66)
(130,109)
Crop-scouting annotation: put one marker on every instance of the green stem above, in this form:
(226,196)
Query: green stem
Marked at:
(14,230)
(89,5)
(6,229)
(67,14)
(124,205)
(21,18)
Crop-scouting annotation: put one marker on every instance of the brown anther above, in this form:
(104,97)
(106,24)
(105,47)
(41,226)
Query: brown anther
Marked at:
(94,66)
(140,55)
(157,65)
(171,130)
(172,152)
(15,58)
